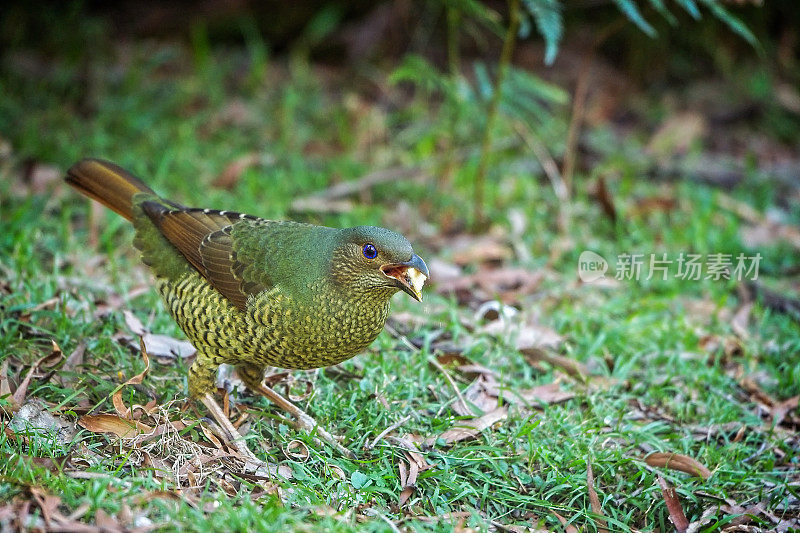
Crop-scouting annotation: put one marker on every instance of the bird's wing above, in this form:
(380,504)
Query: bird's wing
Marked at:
(204,237)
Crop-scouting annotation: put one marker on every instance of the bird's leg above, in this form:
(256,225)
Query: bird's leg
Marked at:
(231,433)
(253,377)
(202,375)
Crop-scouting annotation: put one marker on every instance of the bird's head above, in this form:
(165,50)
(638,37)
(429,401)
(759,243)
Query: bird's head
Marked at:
(373,259)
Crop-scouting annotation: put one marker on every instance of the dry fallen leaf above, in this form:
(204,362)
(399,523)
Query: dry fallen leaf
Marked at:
(674,508)
(233,172)
(571,367)
(48,361)
(54,464)
(677,461)
(106,523)
(605,199)
(107,423)
(463,365)
(547,394)
(38,178)
(48,504)
(133,323)
(410,468)
(116,399)
(594,500)
(477,395)
(5,387)
(468,429)
(568,528)
(487,248)
(507,284)
(652,204)
(164,346)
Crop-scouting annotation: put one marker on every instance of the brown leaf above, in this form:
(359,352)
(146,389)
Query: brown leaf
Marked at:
(478,395)
(573,368)
(48,503)
(651,204)
(54,464)
(164,346)
(410,468)
(107,423)
(486,248)
(757,394)
(674,508)
(105,522)
(39,178)
(605,199)
(297,450)
(549,393)
(594,500)
(463,365)
(157,345)
(233,172)
(50,360)
(116,399)
(677,461)
(75,359)
(125,515)
(469,429)
(507,284)
(405,494)
(567,528)
(781,409)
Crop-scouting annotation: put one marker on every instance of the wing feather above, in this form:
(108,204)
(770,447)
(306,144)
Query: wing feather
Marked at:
(204,237)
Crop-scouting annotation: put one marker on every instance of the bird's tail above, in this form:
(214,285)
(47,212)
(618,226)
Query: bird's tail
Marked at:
(107,183)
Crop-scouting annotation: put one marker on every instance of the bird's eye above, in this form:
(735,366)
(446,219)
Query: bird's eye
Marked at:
(369,251)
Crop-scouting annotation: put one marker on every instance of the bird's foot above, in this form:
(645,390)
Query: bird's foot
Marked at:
(303,420)
(253,464)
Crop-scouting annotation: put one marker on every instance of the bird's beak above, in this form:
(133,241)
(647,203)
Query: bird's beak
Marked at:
(410,275)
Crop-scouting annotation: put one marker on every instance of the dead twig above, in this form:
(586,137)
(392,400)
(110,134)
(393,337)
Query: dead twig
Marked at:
(303,420)
(452,383)
(549,165)
(387,431)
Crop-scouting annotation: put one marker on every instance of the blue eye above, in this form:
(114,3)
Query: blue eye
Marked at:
(370,252)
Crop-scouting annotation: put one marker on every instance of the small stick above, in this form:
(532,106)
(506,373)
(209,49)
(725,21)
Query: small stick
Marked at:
(231,433)
(434,362)
(549,165)
(387,431)
(304,420)
(452,382)
(252,463)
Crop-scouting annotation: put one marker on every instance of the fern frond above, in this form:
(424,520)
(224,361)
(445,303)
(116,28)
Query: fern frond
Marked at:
(547,16)
(630,10)
(732,22)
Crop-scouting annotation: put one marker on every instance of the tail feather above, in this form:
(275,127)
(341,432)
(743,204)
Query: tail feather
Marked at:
(107,183)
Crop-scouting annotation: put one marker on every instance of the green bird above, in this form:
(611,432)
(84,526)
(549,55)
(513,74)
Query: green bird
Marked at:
(257,293)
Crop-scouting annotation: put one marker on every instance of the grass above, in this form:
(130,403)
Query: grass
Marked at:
(178,117)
